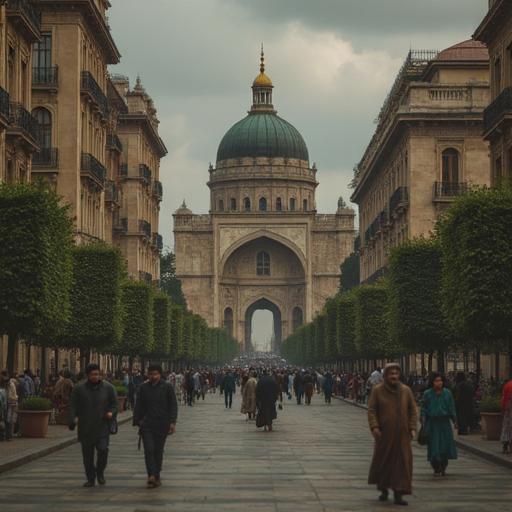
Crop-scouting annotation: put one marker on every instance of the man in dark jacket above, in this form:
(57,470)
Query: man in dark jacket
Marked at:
(156,412)
(267,392)
(94,403)
(229,388)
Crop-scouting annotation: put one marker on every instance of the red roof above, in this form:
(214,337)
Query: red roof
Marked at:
(467,50)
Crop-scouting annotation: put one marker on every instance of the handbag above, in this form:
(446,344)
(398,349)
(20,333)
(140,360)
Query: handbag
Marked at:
(113,426)
(260,422)
(422,436)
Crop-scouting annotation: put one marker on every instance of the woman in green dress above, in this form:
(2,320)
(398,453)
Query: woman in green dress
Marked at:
(437,414)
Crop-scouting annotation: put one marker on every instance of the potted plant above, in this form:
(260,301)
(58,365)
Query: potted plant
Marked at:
(34,416)
(490,410)
(121,397)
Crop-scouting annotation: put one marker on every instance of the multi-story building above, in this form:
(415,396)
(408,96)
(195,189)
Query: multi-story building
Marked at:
(426,150)
(70,102)
(496,32)
(136,223)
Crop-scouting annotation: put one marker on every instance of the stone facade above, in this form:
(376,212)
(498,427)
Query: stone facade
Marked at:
(427,149)
(262,246)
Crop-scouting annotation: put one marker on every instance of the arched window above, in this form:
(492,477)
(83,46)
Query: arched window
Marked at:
(263,264)
(232,204)
(451,162)
(228,321)
(44,129)
(305,205)
(298,318)
(292,204)
(263,204)
(279,204)
(221,205)
(247,204)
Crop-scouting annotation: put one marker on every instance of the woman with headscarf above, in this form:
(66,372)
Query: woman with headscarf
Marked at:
(249,396)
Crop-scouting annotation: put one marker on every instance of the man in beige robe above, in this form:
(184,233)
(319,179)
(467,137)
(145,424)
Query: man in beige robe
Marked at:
(393,418)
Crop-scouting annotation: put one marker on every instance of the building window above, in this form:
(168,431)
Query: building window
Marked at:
(247,204)
(232,204)
(497,76)
(44,129)
(298,318)
(305,205)
(292,204)
(228,321)
(221,205)
(42,52)
(498,170)
(451,162)
(279,205)
(263,204)
(263,264)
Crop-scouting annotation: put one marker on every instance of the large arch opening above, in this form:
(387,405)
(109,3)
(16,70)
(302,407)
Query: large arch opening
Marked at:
(260,305)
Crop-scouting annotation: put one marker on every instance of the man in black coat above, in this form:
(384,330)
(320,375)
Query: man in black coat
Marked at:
(267,392)
(156,412)
(94,403)
(229,385)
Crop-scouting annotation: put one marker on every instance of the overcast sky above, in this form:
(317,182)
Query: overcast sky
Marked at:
(332,63)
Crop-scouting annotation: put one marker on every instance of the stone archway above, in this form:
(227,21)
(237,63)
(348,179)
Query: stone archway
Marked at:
(278,329)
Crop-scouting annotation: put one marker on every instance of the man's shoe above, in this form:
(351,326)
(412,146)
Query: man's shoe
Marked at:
(399,500)
(89,483)
(151,483)
(101,479)
(158,482)
(384,495)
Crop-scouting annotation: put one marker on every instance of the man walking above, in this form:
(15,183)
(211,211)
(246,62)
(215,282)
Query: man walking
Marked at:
(229,388)
(267,392)
(393,417)
(156,412)
(94,403)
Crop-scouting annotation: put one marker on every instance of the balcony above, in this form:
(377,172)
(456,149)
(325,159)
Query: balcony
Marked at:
(158,190)
(498,110)
(21,120)
(112,194)
(47,158)
(444,191)
(45,78)
(4,104)
(357,244)
(90,87)
(145,277)
(145,228)
(93,168)
(114,143)
(384,220)
(26,17)
(145,173)
(399,200)
(121,226)
(158,241)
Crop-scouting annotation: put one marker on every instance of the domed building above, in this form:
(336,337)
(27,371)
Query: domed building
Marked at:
(263,245)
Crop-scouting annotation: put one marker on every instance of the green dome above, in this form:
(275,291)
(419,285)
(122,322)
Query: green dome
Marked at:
(262,134)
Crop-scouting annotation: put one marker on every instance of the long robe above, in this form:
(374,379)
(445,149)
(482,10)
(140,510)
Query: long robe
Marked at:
(394,412)
(266,397)
(249,397)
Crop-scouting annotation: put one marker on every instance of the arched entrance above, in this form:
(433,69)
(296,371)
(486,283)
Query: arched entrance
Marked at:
(278,329)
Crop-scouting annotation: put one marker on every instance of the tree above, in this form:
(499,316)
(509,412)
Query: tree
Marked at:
(161,325)
(349,273)
(169,283)
(346,326)
(476,244)
(416,317)
(330,338)
(96,314)
(176,348)
(35,264)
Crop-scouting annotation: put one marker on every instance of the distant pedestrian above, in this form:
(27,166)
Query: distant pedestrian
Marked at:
(249,397)
(392,417)
(229,385)
(464,403)
(266,397)
(298,387)
(506,406)
(94,403)
(309,387)
(155,414)
(437,414)
(328,387)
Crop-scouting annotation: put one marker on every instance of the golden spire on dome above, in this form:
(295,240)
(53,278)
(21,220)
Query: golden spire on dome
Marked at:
(262,80)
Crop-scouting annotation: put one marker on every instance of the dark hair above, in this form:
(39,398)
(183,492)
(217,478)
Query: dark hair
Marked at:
(434,376)
(92,367)
(155,368)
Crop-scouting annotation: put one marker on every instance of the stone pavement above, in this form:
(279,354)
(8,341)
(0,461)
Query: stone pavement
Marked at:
(316,460)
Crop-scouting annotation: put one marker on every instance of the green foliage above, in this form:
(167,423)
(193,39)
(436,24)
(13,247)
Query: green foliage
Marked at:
(96,314)
(35,261)
(169,283)
(476,243)
(319,338)
(121,390)
(35,403)
(416,317)
(346,325)
(349,273)
(137,338)
(176,348)
(161,324)
(187,348)
(490,404)
(330,336)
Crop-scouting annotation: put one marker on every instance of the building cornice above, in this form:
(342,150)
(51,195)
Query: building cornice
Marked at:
(495,18)
(143,120)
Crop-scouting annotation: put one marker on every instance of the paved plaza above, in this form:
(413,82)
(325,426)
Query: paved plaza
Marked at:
(316,460)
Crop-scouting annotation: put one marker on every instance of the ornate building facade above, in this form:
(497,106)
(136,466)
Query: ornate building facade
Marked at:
(427,149)
(263,245)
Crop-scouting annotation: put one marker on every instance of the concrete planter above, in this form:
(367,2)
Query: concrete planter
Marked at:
(121,403)
(493,423)
(34,423)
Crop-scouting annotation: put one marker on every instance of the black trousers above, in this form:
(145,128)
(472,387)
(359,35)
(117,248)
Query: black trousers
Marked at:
(228,398)
(88,449)
(154,443)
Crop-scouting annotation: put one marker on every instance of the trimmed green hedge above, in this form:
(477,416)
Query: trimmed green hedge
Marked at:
(162,324)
